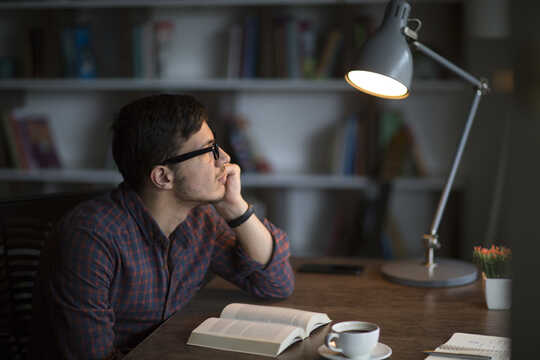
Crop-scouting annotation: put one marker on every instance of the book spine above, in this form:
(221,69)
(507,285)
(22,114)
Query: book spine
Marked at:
(266,46)
(148,51)
(280,67)
(11,144)
(234,51)
(308,43)
(19,147)
(251,37)
(68,52)
(29,161)
(292,49)
(163,32)
(136,39)
(42,145)
(329,54)
(350,145)
(85,64)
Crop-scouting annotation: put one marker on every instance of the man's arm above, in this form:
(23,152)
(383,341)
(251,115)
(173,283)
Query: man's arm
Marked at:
(252,235)
(260,263)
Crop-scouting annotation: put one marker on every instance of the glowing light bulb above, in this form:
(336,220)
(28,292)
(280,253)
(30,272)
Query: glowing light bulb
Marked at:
(377,84)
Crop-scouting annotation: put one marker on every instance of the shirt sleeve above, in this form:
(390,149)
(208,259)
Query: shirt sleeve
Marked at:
(230,261)
(78,295)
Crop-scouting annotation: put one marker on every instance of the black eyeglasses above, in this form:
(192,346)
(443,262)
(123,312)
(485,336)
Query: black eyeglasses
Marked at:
(183,157)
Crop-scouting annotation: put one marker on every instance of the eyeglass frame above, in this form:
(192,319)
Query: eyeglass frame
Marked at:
(183,157)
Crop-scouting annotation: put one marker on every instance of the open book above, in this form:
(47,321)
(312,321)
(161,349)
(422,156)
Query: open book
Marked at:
(496,347)
(256,329)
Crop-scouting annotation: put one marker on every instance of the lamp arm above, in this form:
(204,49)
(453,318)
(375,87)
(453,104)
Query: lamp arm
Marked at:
(479,84)
(431,240)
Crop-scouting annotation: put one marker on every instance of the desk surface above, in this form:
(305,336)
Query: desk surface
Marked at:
(411,319)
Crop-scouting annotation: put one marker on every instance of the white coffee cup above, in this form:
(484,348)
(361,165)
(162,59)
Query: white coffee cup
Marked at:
(354,339)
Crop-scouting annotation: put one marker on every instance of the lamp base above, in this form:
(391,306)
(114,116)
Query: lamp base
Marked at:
(444,273)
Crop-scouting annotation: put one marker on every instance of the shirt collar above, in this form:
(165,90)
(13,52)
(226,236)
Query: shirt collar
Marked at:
(133,203)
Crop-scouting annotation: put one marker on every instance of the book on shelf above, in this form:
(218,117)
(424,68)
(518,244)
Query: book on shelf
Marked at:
(256,329)
(280,54)
(292,49)
(250,46)
(150,41)
(13,149)
(234,51)
(283,46)
(401,155)
(77,50)
(499,348)
(353,153)
(267,46)
(30,141)
(344,158)
(163,38)
(329,55)
(356,29)
(307,39)
(40,53)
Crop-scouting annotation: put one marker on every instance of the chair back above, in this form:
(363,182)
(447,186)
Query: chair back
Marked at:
(25,226)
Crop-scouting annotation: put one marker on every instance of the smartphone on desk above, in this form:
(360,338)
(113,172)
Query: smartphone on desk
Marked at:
(346,269)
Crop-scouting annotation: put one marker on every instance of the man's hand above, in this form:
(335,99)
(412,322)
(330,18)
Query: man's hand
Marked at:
(253,236)
(233,204)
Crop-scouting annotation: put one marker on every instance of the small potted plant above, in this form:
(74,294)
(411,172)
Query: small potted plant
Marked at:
(495,263)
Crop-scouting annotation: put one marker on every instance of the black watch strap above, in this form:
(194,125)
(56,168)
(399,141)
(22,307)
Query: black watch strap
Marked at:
(242,218)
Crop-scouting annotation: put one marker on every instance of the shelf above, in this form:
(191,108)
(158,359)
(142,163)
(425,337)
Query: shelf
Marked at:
(52,4)
(304,181)
(83,176)
(126,84)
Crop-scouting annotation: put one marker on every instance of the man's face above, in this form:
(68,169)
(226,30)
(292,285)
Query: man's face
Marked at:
(201,179)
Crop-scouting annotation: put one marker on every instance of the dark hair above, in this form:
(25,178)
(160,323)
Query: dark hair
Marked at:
(150,130)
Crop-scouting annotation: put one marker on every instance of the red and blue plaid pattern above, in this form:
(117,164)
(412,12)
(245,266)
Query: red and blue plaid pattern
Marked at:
(115,277)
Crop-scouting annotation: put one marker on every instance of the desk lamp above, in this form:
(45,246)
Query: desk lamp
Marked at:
(385,70)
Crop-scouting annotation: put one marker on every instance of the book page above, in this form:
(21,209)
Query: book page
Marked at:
(306,320)
(499,348)
(244,336)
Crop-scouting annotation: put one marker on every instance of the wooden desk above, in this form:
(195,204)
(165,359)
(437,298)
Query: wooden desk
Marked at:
(411,319)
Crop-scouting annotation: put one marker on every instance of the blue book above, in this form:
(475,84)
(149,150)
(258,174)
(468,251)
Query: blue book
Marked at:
(350,145)
(85,64)
(251,47)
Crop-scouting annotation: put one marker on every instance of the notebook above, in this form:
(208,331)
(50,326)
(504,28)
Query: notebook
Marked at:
(496,347)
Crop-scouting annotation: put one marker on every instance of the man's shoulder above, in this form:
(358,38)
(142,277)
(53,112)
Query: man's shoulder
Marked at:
(102,214)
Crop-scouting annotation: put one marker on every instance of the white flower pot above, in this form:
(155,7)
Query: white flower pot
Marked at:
(498,293)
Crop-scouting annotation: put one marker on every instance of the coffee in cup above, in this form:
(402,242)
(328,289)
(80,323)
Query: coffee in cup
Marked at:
(354,339)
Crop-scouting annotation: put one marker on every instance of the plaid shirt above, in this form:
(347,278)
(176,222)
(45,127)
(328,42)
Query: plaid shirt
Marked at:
(115,277)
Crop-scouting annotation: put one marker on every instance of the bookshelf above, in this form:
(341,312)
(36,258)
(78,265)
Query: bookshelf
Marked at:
(223,84)
(63,4)
(291,119)
(255,181)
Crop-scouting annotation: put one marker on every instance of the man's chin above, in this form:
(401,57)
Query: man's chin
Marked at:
(217,200)
(217,197)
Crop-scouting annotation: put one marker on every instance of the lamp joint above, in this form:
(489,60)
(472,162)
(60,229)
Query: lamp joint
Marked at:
(484,86)
(410,33)
(431,241)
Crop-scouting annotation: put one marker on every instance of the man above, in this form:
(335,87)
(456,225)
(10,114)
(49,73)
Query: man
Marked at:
(127,261)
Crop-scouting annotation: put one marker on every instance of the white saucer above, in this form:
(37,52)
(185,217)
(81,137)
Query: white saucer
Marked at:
(380,352)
